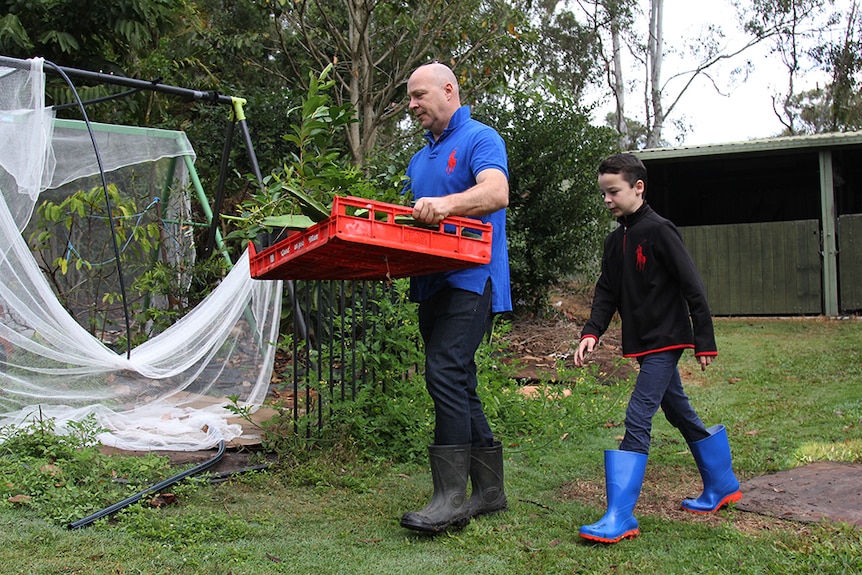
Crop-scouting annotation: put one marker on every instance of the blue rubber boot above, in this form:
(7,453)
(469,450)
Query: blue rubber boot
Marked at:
(624,475)
(720,486)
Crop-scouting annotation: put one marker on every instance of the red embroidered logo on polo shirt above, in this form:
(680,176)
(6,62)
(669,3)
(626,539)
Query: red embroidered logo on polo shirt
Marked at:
(640,264)
(450,165)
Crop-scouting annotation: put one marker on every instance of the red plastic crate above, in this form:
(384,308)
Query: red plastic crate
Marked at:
(360,240)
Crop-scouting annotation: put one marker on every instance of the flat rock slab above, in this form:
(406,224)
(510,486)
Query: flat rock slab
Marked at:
(822,490)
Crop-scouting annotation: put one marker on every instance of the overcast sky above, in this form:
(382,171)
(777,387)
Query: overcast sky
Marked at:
(745,112)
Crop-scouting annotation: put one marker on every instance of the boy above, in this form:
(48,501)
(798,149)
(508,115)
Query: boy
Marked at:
(648,276)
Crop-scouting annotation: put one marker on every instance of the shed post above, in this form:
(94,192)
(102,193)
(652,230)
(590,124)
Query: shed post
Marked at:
(829,244)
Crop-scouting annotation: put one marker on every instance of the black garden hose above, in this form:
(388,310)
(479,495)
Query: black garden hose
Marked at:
(90,519)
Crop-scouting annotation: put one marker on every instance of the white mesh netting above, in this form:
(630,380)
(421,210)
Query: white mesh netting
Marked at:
(170,392)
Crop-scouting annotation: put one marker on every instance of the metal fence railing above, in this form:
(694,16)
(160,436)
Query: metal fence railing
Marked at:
(333,325)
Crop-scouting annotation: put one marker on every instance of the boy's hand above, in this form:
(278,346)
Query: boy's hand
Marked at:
(586,345)
(704,360)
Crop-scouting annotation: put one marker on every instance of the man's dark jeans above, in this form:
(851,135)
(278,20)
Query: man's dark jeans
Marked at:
(452,323)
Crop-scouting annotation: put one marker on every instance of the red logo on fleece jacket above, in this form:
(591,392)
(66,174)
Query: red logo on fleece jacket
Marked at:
(450,165)
(640,264)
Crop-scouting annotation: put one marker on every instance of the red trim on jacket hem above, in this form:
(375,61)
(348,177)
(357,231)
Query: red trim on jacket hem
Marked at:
(668,348)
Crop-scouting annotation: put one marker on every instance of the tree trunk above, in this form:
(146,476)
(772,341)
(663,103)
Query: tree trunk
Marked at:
(654,54)
(619,86)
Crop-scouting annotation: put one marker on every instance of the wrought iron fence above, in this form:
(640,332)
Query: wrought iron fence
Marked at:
(335,344)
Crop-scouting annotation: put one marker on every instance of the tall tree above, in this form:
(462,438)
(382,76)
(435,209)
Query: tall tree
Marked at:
(634,53)
(655,56)
(375,45)
(836,105)
(567,52)
(790,25)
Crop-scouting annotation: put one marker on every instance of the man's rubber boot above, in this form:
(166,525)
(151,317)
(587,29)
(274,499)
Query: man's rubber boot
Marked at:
(624,475)
(450,468)
(720,486)
(486,475)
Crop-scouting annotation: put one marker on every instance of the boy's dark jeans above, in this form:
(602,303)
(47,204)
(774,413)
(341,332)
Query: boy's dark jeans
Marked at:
(452,323)
(659,385)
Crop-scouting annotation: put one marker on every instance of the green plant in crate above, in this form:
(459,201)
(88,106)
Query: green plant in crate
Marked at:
(300,193)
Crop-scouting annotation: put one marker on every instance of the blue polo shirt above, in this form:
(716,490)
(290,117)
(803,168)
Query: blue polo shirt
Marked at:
(448,166)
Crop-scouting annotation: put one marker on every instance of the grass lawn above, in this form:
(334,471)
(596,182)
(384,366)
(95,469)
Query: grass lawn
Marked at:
(788,390)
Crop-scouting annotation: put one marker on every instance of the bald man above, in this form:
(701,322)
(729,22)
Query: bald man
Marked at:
(461,171)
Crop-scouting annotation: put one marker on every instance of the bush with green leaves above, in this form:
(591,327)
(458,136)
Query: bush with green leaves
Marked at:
(72,241)
(556,220)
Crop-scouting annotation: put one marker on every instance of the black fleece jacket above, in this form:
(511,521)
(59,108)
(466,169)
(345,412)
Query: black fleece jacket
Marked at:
(649,277)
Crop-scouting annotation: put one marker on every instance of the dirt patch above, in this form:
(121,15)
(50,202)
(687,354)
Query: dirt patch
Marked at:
(821,490)
(542,348)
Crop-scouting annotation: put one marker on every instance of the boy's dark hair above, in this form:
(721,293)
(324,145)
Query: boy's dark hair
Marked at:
(631,168)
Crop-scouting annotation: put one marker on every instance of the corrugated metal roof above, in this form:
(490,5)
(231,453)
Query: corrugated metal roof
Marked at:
(831,140)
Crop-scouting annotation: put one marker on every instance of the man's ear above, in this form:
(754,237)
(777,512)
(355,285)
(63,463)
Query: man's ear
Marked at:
(449,89)
(639,187)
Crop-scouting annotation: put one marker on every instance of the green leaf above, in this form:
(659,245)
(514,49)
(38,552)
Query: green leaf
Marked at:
(309,206)
(289,221)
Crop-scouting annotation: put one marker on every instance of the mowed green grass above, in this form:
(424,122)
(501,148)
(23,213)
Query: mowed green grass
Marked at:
(788,390)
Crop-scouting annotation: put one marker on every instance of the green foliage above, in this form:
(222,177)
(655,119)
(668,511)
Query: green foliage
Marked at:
(63,478)
(84,215)
(390,420)
(73,243)
(819,110)
(378,403)
(99,34)
(568,50)
(317,171)
(556,222)
(180,286)
(288,433)
(13,33)
(392,347)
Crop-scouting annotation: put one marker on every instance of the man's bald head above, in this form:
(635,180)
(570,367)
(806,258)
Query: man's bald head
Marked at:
(441,73)
(434,97)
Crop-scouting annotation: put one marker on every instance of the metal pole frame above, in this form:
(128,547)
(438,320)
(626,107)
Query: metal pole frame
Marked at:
(210,96)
